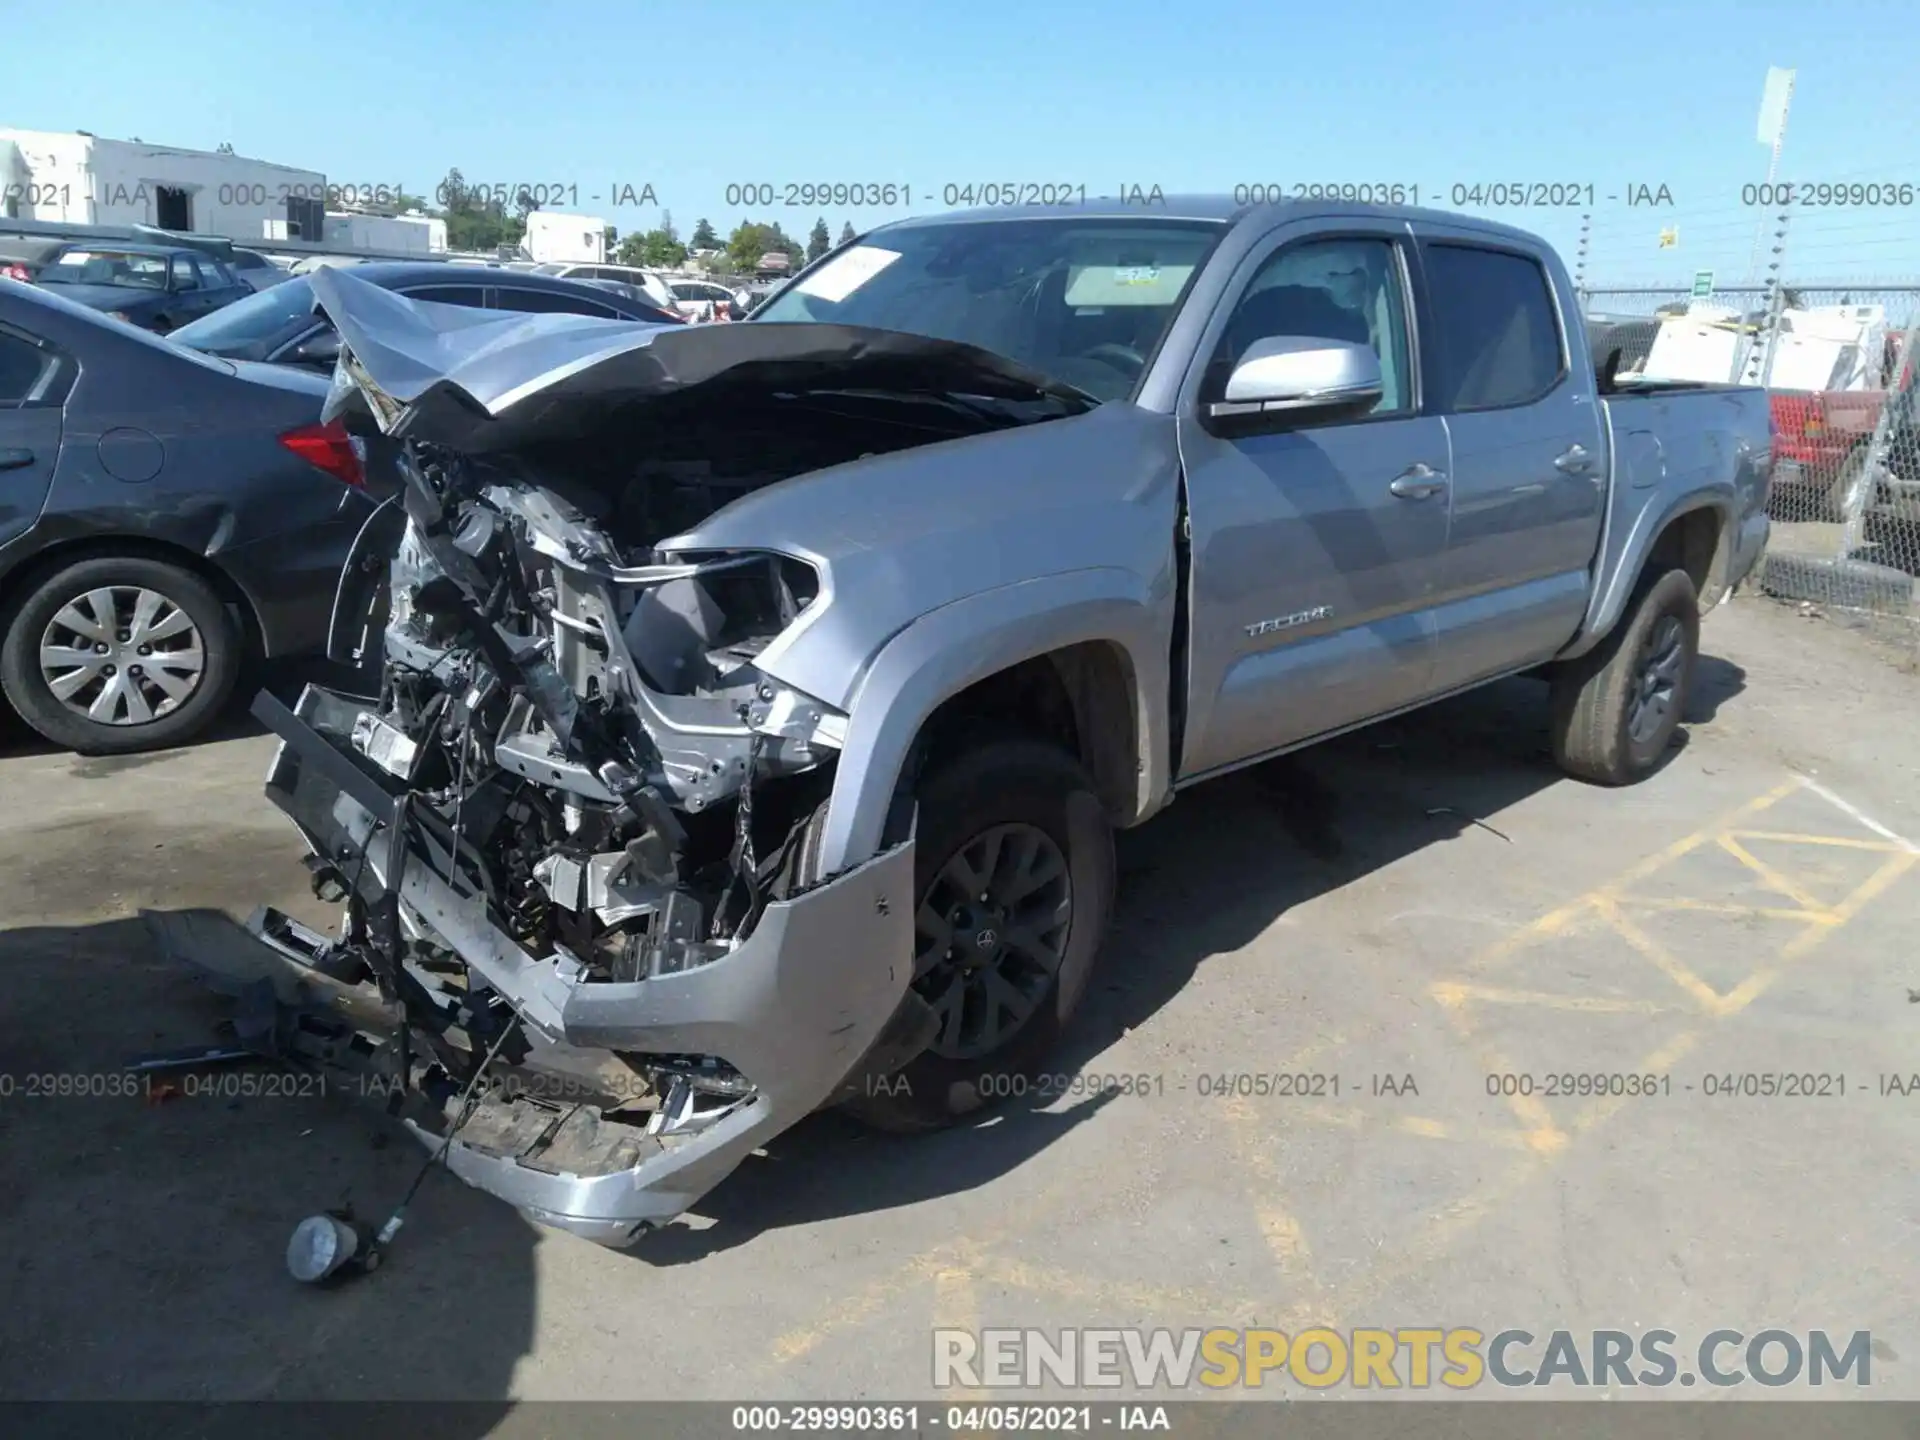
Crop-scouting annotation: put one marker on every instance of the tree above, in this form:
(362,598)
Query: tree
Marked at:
(657,249)
(751,243)
(818,242)
(704,238)
(846,233)
(612,241)
(474,222)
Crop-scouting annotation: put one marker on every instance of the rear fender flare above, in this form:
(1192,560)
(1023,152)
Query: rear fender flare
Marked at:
(946,650)
(1618,577)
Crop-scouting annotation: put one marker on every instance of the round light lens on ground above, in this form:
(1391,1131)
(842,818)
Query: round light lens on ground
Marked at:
(320,1245)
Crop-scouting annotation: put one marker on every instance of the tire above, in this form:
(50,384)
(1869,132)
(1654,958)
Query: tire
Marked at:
(1601,731)
(1031,796)
(1844,584)
(188,618)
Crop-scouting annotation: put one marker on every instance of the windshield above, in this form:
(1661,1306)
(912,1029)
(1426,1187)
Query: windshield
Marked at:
(261,316)
(1081,301)
(122,269)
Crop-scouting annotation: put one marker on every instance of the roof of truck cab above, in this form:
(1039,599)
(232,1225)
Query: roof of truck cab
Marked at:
(1222,209)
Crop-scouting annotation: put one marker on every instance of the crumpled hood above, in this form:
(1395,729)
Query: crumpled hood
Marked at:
(485,380)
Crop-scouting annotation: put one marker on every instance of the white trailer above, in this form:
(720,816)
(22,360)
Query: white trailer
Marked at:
(75,179)
(552,236)
(410,234)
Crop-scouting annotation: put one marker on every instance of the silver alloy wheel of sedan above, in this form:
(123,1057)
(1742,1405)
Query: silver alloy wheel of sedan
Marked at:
(122,655)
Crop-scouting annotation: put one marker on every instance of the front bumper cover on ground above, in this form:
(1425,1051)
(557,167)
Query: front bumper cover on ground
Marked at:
(794,1008)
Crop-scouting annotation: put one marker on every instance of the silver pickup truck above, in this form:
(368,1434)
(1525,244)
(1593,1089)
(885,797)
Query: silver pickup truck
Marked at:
(757,703)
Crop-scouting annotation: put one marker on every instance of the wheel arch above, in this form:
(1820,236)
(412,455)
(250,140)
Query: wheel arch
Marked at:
(20,580)
(1695,533)
(1077,658)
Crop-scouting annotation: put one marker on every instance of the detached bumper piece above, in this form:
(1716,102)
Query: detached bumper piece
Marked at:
(740,1048)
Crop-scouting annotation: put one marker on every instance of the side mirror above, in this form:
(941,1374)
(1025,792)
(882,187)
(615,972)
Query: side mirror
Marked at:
(320,350)
(1301,374)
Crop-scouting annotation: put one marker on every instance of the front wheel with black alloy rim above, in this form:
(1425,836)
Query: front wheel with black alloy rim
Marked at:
(113,655)
(1616,709)
(1014,876)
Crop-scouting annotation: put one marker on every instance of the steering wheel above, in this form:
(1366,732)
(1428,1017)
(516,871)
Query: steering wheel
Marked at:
(1123,358)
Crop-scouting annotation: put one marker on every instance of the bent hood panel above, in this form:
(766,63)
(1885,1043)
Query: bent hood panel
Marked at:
(481,380)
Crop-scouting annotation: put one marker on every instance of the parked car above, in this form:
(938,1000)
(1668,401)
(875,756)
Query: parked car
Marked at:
(279,325)
(637,295)
(163,517)
(156,287)
(255,270)
(658,291)
(21,256)
(698,299)
(795,674)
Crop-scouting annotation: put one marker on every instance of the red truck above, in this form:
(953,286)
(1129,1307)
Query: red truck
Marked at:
(1820,443)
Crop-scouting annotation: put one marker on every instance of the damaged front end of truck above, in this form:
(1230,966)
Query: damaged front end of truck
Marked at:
(575,833)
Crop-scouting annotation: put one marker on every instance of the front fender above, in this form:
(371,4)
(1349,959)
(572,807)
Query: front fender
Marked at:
(946,650)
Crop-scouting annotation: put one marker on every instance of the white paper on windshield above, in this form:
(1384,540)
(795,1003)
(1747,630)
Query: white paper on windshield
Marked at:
(844,274)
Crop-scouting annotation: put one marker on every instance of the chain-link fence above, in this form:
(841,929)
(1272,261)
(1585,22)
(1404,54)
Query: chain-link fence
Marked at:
(1839,364)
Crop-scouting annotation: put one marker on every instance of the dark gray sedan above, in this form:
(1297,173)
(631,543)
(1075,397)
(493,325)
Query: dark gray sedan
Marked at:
(163,516)
(156,287)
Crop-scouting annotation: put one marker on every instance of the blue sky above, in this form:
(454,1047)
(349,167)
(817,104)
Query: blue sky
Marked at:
(1188,97)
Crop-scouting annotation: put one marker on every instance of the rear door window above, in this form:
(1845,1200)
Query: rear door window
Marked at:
(1496,328)
(24,371)
(550,302)
(469,295)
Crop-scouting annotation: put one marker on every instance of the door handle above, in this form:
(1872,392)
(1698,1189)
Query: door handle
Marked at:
(1575,460)
(1417,482)
(15,459)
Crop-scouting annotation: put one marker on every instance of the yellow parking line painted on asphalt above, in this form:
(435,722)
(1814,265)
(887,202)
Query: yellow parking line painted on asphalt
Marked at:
(1557,920)
(851,1310)
(1715,907)
(1821,922)
(1708,998)
(965,1265)
(1418,1127)
(1660,1061)
(1756,984)
(956,1307)
(1455,993)
(1285,1240)
(1771,877)
(1845,842)
(1118,1294)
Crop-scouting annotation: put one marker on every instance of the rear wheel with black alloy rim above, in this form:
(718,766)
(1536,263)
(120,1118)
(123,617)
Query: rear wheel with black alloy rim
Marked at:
(1616,709)
(1014,878)
(108,656)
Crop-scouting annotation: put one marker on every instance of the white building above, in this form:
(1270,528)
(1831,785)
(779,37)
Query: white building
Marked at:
(81,179)
(409,234)
(553,237)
